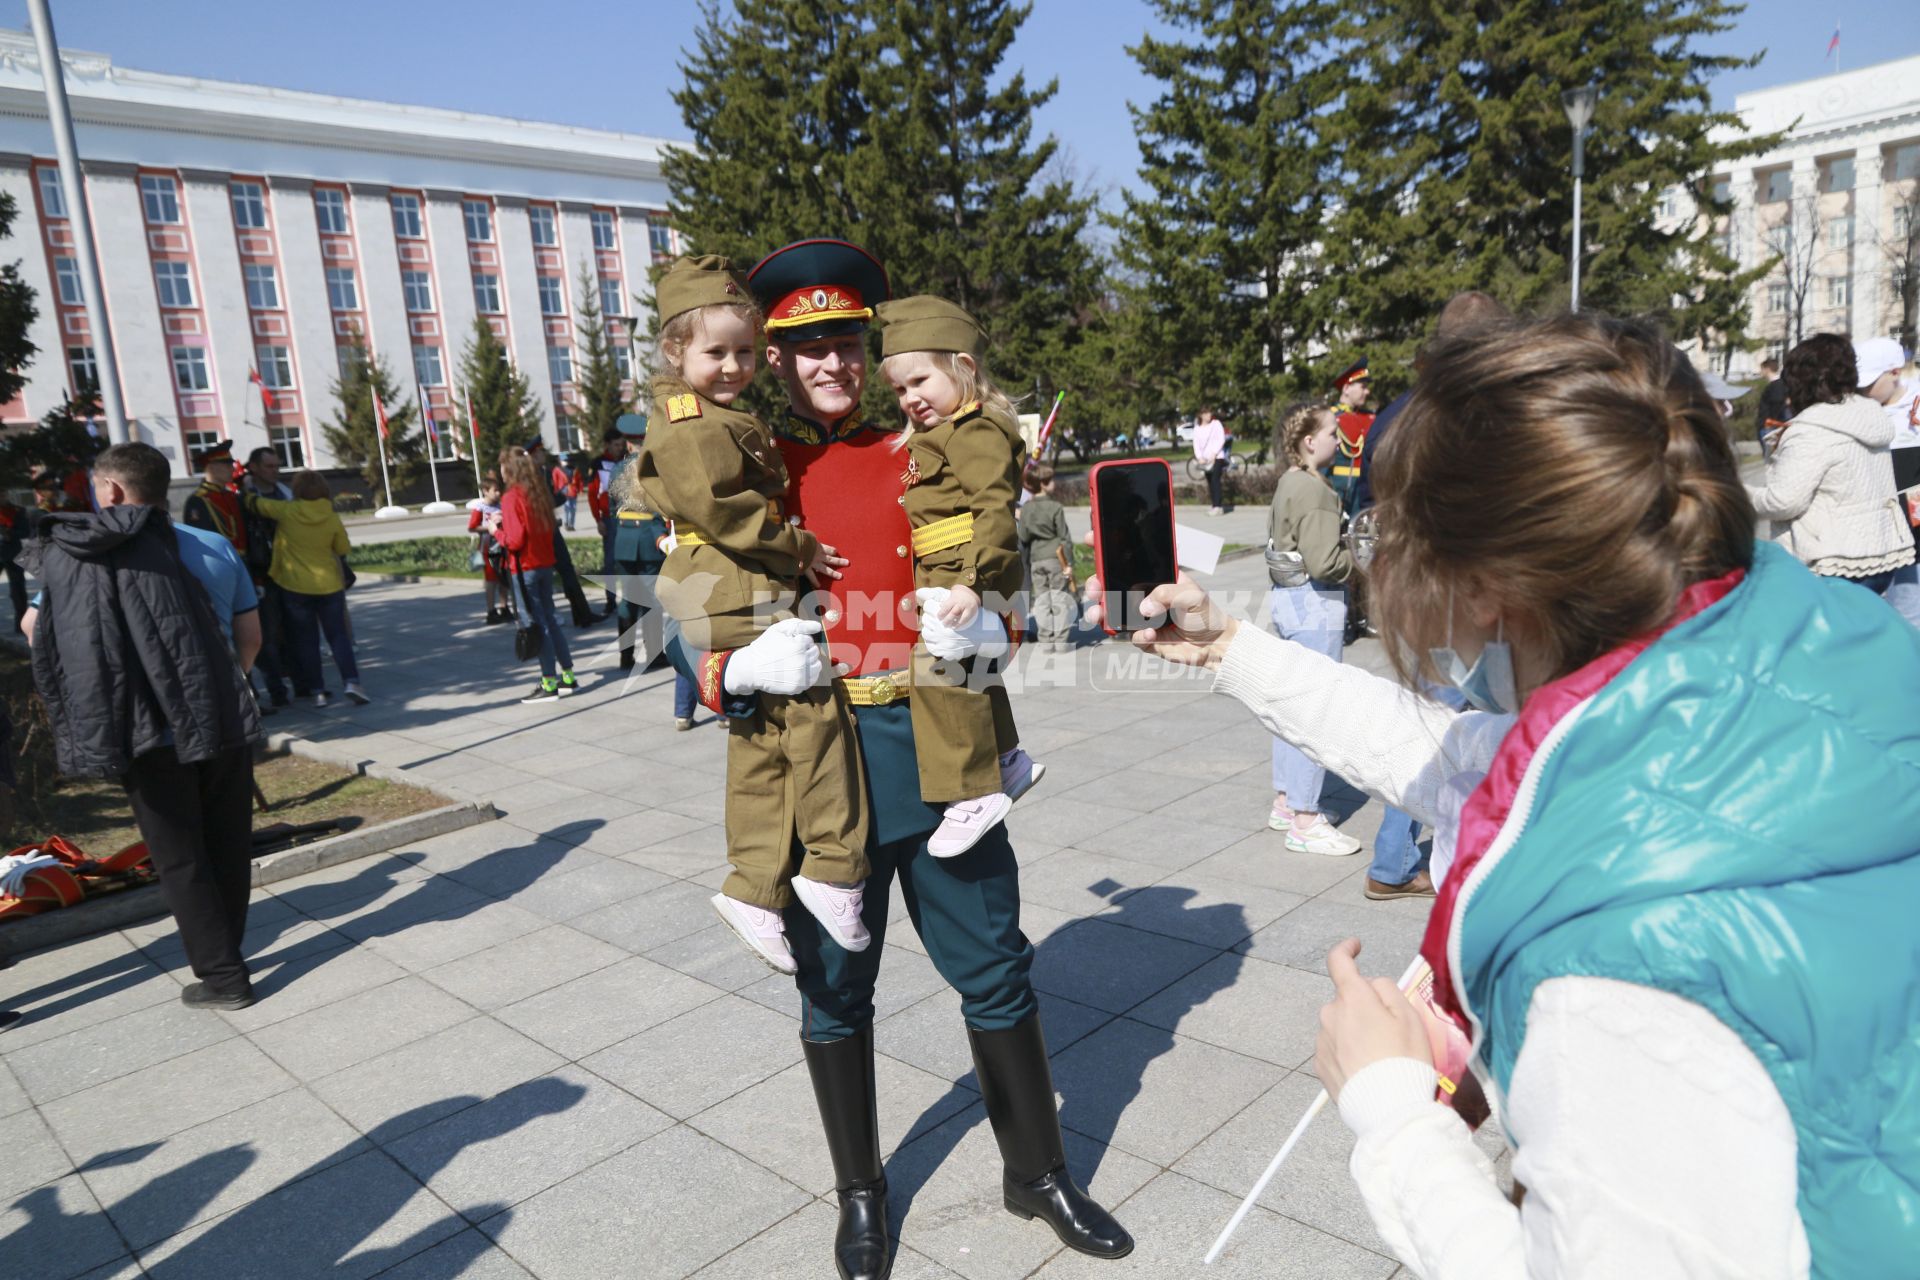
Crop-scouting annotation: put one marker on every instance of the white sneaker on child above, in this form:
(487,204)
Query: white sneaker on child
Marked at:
(1018,773)
(764,932)
(965,822)
(1319,836)
(837,910)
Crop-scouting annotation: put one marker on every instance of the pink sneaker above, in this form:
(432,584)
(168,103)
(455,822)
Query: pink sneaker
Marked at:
(837,910)
(1281,819)
(1019,772)
(764,932)
(965,822)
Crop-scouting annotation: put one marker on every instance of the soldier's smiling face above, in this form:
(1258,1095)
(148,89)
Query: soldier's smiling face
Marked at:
(823,378)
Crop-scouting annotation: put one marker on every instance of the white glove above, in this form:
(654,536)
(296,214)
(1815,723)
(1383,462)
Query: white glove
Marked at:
(14,870)
(984,637)
(784,659)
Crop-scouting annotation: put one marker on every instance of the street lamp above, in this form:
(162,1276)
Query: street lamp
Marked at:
(1579,104)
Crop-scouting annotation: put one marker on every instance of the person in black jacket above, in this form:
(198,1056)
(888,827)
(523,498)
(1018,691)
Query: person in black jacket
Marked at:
(1773,411)
(141,684)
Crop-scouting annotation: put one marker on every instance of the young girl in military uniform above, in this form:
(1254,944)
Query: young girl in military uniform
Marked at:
(962,484)
(734,571)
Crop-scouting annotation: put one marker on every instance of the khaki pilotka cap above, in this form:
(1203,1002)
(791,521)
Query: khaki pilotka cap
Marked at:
(926,323)
(703,281)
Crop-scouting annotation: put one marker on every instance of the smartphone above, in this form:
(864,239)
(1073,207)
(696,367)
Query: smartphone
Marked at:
(1133,536)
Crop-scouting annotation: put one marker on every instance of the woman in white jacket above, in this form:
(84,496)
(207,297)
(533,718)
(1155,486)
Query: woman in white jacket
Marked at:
(1829,485)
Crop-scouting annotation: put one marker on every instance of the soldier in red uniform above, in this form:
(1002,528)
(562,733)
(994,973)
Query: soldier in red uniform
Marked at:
(215,505)
(844,484)
(1352,420)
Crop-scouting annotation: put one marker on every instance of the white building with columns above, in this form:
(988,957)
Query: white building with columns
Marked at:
(1834,200)
(245,231)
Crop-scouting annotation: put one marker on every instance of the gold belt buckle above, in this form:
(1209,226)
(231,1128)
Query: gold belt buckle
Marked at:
(883,691)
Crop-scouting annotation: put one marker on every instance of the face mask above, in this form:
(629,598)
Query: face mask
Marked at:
(1488,684)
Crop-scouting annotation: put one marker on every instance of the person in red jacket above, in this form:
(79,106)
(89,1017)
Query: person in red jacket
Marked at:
(525,528)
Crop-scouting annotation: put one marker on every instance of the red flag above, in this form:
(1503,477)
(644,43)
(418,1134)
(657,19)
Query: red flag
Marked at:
(379,410)
(266,398)
(1835,42)
(426,417)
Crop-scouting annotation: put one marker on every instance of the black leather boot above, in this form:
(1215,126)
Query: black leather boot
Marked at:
(1017,1085)
(842,1072)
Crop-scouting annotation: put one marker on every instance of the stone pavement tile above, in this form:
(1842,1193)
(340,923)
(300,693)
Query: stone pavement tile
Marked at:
(1060,821)
(198,1087)
(263,945)
(335,1036)
(714,956)
(606,1006)
(315,892)
(741,1043)
(1135,1086)
(434,940)
(1202,909)
(1038,922)
(802,1244)
(1263,859)
(679,1197)
(508,872)
(706,803)
(1172,838)
(1262,1010)
(535,793)
(33,1155)
(641,924)
(579,758)
(422,1082)
(1241,799)
(932,1034)
(1112,967)
(1082,882)
(57,1231)
(125,1269)
(776,1123)
(262,909)
(1174,1221)
(1139,789)
(600,884)
(573,820)
(66,988)
(1301,938)
(654,827)
(471,1255)
(311,980)
(352,1220)
(524,1140)
(108,1050)
(220,1165)
(945,1200)
(12,1097)
(523,966)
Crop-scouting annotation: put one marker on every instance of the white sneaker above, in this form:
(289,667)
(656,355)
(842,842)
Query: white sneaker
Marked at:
(965,822)
(357,695)
(1281,818)
(1321,837)
(323,699)
(1019,772)
(837,910)
(764,932)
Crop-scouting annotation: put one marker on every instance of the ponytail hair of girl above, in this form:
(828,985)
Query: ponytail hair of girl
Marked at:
(1296,424)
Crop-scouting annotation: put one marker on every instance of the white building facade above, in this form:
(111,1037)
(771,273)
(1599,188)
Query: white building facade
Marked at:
(249,233)
(1834,201)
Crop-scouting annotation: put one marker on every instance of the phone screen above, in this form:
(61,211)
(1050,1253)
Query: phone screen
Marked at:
(1133,505)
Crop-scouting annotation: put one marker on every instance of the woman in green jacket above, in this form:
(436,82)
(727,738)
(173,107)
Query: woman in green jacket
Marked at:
(307,551)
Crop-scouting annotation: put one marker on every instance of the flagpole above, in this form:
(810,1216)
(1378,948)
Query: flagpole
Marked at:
(473,441)
(389,511)
(436,507)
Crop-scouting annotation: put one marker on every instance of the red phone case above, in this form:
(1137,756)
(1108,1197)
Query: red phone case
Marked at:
(1093,493)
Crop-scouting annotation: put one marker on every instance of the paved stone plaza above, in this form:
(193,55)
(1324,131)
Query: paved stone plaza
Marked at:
(528,1049)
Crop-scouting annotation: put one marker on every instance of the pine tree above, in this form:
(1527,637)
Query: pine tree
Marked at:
(1218,249)
(62,440)
(596,378)
(17,313)
(503,401)
(353,436)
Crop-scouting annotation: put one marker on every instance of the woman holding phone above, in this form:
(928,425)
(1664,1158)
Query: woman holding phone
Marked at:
(1677,841)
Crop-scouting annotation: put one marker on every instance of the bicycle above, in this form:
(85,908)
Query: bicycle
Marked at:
(1236,462)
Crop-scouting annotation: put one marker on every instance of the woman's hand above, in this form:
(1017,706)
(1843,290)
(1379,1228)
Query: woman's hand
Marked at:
(826,565)
(1194,632)
(1369,1020)
(963,602)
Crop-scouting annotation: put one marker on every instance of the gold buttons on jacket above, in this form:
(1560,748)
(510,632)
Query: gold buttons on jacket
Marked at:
(901,552)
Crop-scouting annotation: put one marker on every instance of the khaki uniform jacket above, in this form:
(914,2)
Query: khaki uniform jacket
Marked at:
(1043,531)
(971,462)
(1306,518)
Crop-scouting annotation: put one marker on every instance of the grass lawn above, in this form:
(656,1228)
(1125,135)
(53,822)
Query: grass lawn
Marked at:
(447,557)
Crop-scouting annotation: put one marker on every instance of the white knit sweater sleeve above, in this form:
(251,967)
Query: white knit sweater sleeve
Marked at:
(1650,1141)
(1391,743)
(1793,476)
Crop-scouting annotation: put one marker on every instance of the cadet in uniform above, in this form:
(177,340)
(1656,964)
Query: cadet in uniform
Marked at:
(215,505)
(633,537)
(843,483)
(1352,421)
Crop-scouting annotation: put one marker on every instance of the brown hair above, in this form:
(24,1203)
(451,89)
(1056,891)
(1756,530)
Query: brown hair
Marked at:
(1296,424)
(677,332)
(1821,370)
(309,485)
(517,469)
(1571,473)
(1038,477)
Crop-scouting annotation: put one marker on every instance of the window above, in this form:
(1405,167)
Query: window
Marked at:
(287,443)
(1902,221)
(176,288)
(418,290)
(81,364)
(1777,296)
(602,228)
(66,272)
(1779,187)
(550,301)
(661,236)
(1839,232)
(1839,291)
(569,435)
(560,364)
(52,198)
(203,439)
(486,293)
(426,367)
(330,211)
(406,217)
(276,367)
(479,220)
(610,297)
(541,219)
(623,361)
(249,205)
(1839,175)
(440,445)
(342,293)
(344,357)
(263,289)
(160,198)
(1722,190)
(190,368)
(1906,161)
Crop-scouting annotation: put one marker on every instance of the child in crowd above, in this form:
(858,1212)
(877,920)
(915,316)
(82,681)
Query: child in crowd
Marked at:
(964,454)
(481,512)
(1049,547)
(733,571)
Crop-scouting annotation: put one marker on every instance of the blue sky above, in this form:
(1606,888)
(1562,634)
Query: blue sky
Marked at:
(608,64)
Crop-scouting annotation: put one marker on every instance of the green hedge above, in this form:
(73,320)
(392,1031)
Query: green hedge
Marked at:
(447,556)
